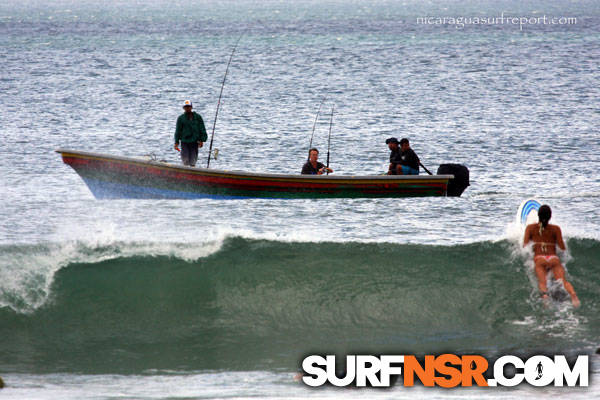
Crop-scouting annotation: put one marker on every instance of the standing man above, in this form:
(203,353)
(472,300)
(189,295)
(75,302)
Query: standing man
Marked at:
(191,132)
(403,160)
(545,238)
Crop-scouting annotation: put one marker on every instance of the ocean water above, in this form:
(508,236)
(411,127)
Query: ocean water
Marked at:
(153,299)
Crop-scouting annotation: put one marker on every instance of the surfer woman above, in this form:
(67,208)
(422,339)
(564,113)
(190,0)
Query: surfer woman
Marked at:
(545,238)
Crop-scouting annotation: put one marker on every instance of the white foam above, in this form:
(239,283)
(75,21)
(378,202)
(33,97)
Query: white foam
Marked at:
(246,385)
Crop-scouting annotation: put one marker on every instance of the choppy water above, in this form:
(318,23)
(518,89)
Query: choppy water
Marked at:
(221,298)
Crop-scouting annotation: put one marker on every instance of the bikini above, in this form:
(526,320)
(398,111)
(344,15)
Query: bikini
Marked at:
(546,257)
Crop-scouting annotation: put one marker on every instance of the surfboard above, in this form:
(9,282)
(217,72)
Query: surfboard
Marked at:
(527,214)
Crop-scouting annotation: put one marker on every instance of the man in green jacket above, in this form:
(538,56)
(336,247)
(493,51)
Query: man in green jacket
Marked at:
(191,132)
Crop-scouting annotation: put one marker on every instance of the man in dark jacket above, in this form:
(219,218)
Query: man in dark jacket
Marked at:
(408,159)
(403,160)
(191,132)
(313,166)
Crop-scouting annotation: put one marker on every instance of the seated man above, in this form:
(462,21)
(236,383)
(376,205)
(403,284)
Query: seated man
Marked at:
(545,238)
(312,166)
(403,160)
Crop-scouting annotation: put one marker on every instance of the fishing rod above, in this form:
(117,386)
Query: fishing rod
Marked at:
(219,102)
(426,170)
(329,138)
(315,125)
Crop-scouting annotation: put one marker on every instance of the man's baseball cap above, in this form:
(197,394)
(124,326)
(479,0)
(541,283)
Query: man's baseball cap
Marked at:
(187,103)
(391,140)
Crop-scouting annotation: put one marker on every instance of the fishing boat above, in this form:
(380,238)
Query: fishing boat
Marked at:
(116,177)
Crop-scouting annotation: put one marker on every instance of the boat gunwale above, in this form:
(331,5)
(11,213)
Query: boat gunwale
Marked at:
(243,174)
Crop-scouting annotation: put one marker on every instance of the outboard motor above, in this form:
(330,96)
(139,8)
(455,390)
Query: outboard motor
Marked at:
(461,178)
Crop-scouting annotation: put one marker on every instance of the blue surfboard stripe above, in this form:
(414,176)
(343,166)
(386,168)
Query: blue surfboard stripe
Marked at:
(529,206)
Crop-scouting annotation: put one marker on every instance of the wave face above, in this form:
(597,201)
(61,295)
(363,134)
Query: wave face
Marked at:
(265,304)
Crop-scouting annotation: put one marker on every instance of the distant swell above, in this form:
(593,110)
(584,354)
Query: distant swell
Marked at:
(259,303)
